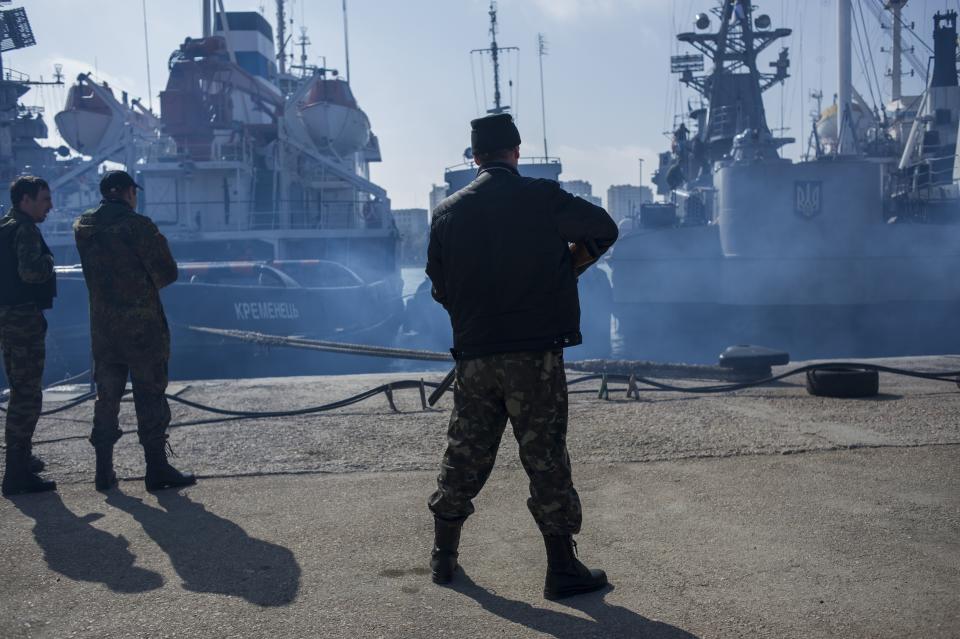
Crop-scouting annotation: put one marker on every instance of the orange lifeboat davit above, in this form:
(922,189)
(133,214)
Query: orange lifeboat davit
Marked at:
(332,118)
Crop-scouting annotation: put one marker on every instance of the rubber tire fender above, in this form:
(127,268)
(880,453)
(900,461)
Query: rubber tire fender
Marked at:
(844,383)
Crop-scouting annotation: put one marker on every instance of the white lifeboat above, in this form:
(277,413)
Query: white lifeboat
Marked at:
(332,118)
(93,121)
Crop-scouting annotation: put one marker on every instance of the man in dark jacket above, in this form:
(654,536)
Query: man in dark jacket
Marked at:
(503,258)
(28,285)
(126,261)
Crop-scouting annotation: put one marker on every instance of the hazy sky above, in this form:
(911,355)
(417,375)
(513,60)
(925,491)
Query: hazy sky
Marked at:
(610,95)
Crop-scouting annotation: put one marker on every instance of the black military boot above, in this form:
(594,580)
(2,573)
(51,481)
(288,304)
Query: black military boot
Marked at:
(160,474)
(18,479)
(566,576)
(443,558)
(105,478)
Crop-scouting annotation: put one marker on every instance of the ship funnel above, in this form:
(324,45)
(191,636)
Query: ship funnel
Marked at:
(945,50)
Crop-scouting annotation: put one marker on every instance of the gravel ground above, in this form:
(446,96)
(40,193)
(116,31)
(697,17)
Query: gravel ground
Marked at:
(370,437)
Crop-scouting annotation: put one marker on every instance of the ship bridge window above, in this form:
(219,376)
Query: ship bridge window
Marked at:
(238,276)
(321,274)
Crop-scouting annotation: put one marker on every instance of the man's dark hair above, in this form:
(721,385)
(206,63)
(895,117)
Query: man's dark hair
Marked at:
(500,155)
(27,185)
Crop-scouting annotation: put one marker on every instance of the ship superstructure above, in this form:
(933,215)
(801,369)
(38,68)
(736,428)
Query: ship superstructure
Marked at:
(20,126)
(248,159)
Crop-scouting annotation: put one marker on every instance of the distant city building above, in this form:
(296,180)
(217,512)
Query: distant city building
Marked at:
(582,188)
(414,227)
(437,194)
(624,200)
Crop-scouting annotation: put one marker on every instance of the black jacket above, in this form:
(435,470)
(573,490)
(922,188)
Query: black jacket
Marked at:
(500,262)
(26,263)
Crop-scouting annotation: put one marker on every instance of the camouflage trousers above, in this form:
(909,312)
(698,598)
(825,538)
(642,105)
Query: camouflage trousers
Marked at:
(529,389)
(149,379)
(23,331)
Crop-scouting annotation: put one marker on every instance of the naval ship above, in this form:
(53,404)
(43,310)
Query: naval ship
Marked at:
(256,169)
(852,252)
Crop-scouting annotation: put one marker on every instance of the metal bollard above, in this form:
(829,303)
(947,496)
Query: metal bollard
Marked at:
(389,393)
(604,391)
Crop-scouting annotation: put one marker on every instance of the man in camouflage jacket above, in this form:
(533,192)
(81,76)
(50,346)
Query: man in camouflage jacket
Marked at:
(126,261)
(28,285)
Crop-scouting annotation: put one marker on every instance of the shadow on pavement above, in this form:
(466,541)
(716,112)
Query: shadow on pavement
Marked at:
(212,554)
(79,551)
(606,620)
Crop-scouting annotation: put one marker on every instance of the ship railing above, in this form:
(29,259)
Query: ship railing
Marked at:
(12,75)
(219,215)
(921,180)
(469,164)
(231,152)
(540,160)
(165,149)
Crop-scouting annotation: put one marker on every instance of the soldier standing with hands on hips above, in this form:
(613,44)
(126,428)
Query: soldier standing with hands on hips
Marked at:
(126,261)
(503,258)
(28,285)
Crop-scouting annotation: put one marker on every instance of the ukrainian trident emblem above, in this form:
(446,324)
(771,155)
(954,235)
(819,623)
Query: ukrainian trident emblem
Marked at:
(808,199)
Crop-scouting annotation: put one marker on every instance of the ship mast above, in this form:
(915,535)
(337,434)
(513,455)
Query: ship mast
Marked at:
(735,105)
(845,135)
(495,50)
(207,18)
(542,50)
(495,54)
(346,41)
(896,74)
(281,38)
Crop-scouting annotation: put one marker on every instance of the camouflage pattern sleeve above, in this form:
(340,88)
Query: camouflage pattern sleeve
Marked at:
(34,264)
(154,253)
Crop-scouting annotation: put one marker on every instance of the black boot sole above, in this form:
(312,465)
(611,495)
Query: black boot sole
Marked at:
(556,595)
(442,578)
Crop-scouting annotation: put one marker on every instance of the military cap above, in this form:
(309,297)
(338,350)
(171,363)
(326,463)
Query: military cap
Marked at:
(493,133)
(116,182)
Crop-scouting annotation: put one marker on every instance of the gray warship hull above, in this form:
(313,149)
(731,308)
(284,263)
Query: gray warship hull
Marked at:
(800,258)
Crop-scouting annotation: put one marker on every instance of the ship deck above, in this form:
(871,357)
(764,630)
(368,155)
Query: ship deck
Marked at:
(762,513)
